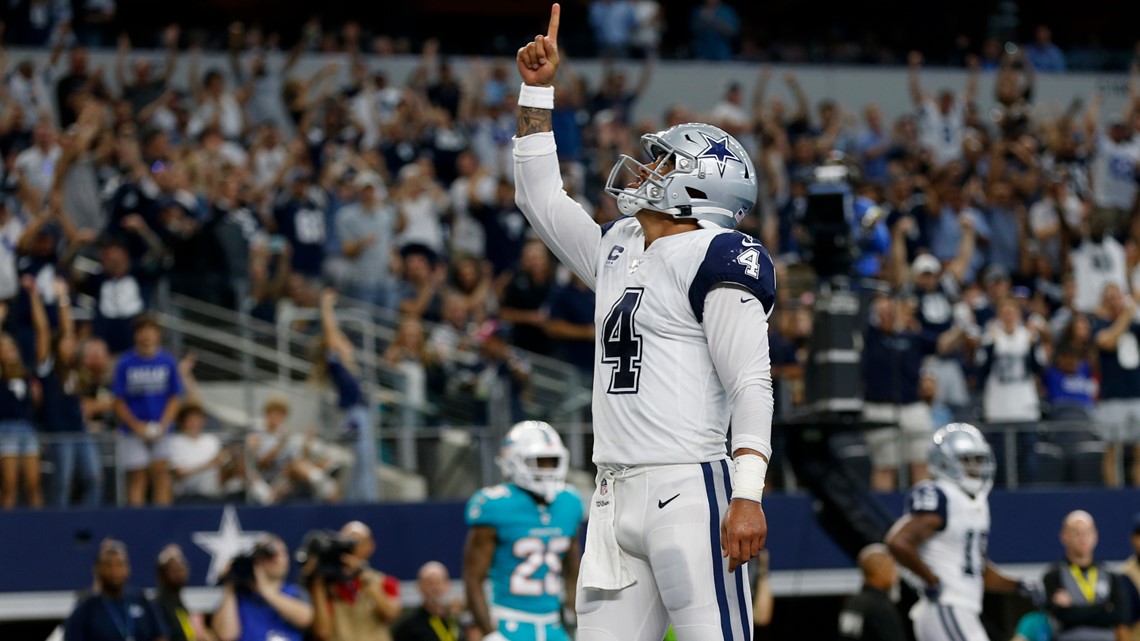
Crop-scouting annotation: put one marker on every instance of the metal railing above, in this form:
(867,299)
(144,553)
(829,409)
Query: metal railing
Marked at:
(556,390)
(452,462)
(234,347)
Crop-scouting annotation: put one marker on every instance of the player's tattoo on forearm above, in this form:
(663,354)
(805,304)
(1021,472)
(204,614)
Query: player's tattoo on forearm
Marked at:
(533,121)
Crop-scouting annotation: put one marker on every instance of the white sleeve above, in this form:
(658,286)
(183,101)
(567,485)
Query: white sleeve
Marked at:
(737,334)
(561,222)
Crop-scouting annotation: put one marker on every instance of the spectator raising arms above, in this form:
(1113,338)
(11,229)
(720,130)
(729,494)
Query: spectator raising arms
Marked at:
(75,453)
(19,447)
(338,364)
(1117,335)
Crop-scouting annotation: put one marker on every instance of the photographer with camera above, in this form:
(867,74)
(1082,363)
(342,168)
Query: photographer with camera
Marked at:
(351,601)
(257,603)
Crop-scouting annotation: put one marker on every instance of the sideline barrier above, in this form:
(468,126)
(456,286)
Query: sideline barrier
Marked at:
(53,550)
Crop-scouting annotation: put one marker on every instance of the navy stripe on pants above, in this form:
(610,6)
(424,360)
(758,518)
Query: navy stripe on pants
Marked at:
(714,536)
(953,632)
(745,624)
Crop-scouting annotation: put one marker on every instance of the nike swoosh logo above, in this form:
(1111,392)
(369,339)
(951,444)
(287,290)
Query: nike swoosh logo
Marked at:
(746,300)
(661,504)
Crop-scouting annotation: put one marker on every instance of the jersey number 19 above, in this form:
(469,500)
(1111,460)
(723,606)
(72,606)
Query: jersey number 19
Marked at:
(975,553)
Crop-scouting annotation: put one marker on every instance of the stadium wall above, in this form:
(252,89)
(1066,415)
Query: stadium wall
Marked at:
(46,556)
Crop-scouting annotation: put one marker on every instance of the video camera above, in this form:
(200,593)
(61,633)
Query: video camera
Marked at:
(328,548)
(831,244)
(240,574)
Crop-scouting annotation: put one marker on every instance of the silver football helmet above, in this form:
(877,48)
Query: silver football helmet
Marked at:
(701,172)
(959,453)
(525,444)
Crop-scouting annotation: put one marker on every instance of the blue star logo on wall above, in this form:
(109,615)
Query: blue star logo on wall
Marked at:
(718,150)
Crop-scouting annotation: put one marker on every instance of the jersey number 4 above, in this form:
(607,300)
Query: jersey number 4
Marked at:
(621,344)
(535,553)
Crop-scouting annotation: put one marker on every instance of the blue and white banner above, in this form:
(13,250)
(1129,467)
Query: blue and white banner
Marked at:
(54,550)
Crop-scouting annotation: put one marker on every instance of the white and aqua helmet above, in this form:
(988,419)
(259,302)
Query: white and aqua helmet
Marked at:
(960,454)
(524,445)
(711,177)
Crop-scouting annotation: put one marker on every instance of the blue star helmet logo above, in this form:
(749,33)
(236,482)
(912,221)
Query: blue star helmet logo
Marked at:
(719,151)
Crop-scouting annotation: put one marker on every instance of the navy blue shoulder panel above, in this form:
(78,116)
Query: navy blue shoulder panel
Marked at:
(606,227)
(739,259)
(927,498)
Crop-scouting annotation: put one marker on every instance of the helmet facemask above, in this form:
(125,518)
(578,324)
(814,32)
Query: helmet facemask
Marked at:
(535,474)
(638,186)
(534,458)
(698,172)
(977,475)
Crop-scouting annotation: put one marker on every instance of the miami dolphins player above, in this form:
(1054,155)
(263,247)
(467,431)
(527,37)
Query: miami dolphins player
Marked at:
(524,534)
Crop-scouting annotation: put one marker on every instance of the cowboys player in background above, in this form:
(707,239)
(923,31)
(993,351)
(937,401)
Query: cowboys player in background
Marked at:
(682,314)
(524,534)
(943,536)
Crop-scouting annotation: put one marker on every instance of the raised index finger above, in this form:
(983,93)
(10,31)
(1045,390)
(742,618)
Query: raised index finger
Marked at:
(552,30)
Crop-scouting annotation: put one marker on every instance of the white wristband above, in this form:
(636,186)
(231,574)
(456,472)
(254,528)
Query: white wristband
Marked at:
(748,482)
(536,97)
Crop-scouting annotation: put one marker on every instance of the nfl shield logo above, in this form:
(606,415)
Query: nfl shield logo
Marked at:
(604,488)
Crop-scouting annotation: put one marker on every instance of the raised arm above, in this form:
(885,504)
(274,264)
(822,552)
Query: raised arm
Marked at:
(898,269)
(560,221)
(63,303)
(121,62)
(170,37)
(194,76)
(233,51)
(39,318)
(646,76)
(311,27)
(1107,338)
(803,107)
(760,90)
(226,623)
(335,339)
(914,63)
(966,246)
(973,66)
(1092,115)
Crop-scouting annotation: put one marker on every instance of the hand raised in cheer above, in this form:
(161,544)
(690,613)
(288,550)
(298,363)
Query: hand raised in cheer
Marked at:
(538,60)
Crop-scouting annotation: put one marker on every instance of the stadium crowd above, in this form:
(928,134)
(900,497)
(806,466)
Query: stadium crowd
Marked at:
(1008,243)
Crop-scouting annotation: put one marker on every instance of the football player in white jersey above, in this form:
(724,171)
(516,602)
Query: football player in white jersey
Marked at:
(682,312)
(943,536)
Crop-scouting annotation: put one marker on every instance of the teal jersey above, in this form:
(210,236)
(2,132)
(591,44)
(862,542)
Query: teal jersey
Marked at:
(532,540)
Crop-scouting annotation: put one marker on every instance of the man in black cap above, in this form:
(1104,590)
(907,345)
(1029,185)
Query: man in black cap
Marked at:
(871,615)
(181,624)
